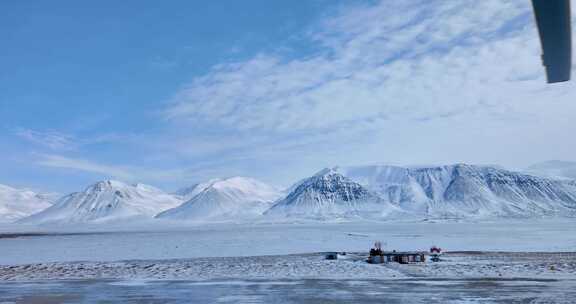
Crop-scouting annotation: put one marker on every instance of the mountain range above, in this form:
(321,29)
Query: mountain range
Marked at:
(467,191)
(376,192)
(106,201)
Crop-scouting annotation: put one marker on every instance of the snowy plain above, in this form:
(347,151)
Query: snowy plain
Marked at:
(157,241)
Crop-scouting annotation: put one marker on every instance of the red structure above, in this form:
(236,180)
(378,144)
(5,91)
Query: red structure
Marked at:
(435,249)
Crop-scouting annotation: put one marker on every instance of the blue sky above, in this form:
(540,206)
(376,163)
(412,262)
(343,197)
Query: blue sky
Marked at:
(179,92)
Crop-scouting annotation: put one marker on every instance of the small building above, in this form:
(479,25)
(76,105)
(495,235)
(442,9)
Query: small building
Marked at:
(379,256)
(331,255)
(402,257)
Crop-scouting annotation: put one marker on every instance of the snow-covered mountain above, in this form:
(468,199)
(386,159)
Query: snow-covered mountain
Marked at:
(186,193)
(378,192)
(106,201)
(329,194)
(18,203)
(554,169)
(233,198)
(467,191)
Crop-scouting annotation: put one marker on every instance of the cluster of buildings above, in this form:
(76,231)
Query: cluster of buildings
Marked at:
(379,256)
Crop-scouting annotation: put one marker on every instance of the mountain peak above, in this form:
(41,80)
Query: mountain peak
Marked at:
(225,199)
(329,194)
(107,184)
(327,171)
(107,200)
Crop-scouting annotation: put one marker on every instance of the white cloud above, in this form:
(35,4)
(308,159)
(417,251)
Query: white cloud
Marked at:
(50,139)
(390,81)
(61,141)
(181,176)
(395,81)
(58,161)
(415,59)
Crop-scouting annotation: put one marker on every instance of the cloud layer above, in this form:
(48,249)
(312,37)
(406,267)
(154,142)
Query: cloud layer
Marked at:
(415,60)
(386,81)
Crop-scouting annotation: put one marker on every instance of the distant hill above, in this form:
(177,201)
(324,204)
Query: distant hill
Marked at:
(225,199)
(19,203)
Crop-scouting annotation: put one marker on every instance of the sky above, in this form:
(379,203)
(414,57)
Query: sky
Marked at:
(179,92)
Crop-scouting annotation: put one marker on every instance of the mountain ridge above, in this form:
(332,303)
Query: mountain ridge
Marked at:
(464,190)
(386,192)
(105,201)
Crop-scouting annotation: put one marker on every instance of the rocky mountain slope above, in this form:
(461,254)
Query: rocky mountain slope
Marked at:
(467,191)
(329,194)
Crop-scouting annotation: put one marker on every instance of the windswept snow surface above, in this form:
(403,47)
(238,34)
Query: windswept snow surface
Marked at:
(264,257)
(459,265)
(256,267)
(19,203)
(236,198)
(106,201)
(156,241)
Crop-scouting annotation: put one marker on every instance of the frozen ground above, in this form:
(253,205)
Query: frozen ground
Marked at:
(464,277)
(470,277)
(466,265)
(228,240)
(512,262)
